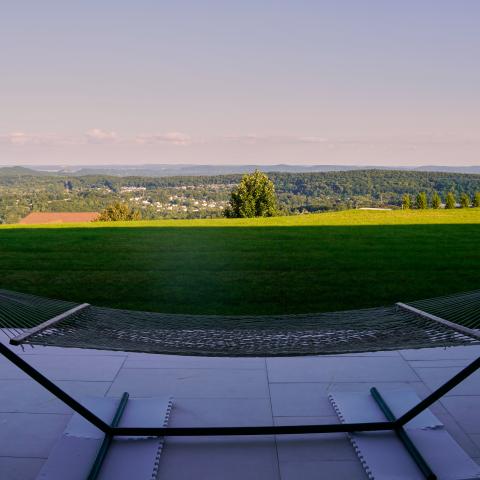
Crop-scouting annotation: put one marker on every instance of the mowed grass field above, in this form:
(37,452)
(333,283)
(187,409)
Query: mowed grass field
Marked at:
(311,263)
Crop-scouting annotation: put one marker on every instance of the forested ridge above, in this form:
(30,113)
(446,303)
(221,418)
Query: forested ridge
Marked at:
(22,191)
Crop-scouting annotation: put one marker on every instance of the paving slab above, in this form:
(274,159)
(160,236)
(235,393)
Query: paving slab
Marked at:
(312,447)
(340,369)
(384,353)
(229,391)
(219,458)
(455,430)
(219,412)
(12,468)
(145,360)
(25,395)
(435,377)
(442,363)
(191,383)
(311,399)
(466,353)
(322,470)
(67,367)
(30,434)
(465,410)
(475,437)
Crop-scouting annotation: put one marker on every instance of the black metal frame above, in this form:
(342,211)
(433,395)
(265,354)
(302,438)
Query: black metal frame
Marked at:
(392,423)
(403,436)
(107,440)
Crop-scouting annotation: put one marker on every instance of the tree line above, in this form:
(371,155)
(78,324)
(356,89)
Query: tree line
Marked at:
(422,201)
(295,193)
(255,197)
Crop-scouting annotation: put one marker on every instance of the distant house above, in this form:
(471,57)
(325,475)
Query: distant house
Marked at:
(59,217)
(373,208)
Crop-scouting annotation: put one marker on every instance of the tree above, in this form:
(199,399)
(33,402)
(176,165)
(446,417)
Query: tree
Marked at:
(118,212)
(421,201)
(253,197)
(464,200)
(436,200)
(406,202)
(476,200)
(450,202)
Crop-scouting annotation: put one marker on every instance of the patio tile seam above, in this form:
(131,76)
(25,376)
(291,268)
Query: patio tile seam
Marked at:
(334,382)
(196,368)
(70,355)
(273,421)
(26,412)
(415,367)
(29,380)
(23,457)
(116,376)
(453,395)
(178,397)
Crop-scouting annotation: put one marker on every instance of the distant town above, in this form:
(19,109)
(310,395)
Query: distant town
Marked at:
(24,190)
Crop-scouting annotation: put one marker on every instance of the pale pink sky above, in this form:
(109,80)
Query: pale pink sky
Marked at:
(376,82)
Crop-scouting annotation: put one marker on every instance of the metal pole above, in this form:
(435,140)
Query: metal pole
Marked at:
(183,431)
(438,393)
(254,430)
(403,436)
(102,452)
(52,388)
(202,431)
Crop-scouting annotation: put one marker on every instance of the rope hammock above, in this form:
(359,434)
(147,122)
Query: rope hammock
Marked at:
(366,330)
(444,321)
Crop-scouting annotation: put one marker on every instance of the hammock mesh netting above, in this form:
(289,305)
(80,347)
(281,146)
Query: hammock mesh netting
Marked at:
(366,330)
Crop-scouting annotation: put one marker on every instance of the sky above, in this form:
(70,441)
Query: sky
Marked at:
(372,82)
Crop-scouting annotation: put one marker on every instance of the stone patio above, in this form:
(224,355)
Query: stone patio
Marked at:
(229,391)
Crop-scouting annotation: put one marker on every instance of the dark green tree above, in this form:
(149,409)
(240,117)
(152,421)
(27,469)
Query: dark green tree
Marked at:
(436,200)
(476,200)
(464,200)
(253,197)
(406,202)
(450,202)
(118,212)
(421,201)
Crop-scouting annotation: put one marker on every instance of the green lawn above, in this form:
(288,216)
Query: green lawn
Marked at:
(311,263)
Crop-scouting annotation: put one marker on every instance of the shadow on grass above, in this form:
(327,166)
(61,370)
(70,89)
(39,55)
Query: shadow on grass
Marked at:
(242,270)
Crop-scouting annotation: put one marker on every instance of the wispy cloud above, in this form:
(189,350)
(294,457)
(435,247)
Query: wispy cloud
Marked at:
(97,135)
(172,138)
(20,139)
(311,139)
(94,136)
(254,139)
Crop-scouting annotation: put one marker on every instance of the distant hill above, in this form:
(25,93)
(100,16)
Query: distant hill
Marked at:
(198,196)
(168,170)
(17,171)
(164,170)
(439,168)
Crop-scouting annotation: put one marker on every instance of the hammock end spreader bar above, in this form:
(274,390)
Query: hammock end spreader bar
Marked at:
(327,333)
(475,333)
(19,339)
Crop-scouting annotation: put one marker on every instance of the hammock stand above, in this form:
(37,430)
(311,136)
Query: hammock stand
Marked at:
(390,424)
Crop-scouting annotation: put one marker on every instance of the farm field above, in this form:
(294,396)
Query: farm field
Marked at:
(311,263)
